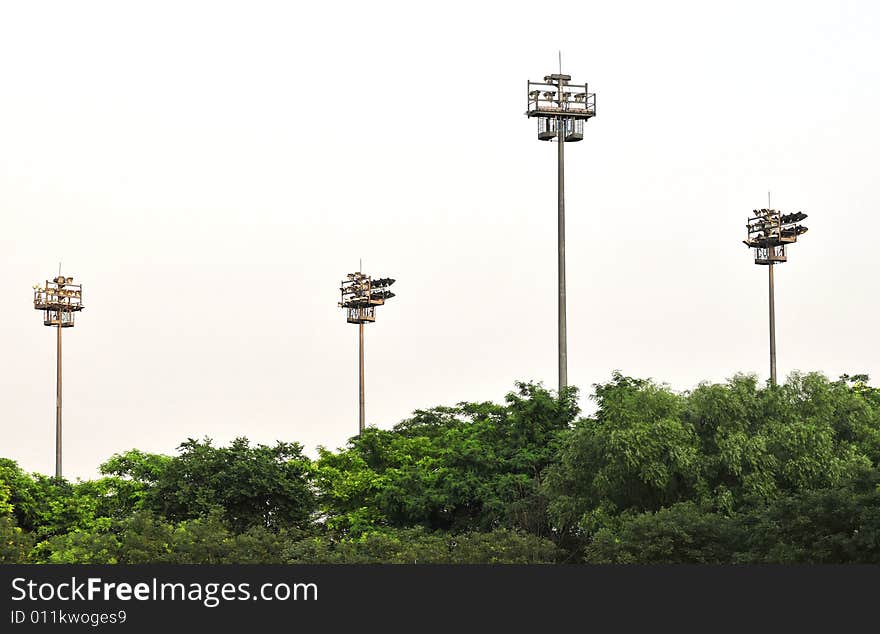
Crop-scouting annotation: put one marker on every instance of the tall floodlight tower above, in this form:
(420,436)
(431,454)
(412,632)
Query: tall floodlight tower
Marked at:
(360,296)
(561,109)
(769,232)
(60,300)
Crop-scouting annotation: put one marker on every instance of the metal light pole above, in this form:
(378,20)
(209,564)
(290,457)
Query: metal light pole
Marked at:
(362,421)
(561,109)
(59,299)
(772,324)
(360,296)
(768,232)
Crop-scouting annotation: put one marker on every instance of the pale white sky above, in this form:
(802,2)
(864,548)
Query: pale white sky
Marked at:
(210,171)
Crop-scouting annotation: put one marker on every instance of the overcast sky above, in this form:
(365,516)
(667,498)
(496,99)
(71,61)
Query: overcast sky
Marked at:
(210,171)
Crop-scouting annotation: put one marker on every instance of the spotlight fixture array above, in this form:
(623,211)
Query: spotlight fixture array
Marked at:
(768,231)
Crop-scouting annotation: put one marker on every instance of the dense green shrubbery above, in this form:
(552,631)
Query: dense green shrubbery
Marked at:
(726,473)
(417,545)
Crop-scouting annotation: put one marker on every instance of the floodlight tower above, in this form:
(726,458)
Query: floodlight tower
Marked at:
(360,296)
(561,109)
(769,232)
(59,299)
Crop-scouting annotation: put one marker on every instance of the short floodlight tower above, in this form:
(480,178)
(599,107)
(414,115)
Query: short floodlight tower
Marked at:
(769,232)
(561,109)
(59,299)
(360,296)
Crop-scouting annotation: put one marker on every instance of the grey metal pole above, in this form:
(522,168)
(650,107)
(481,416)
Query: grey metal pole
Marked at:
(563,339)
(361,418)
(58,404)
(772,329)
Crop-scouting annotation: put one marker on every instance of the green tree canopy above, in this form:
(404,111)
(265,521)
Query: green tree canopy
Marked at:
(476,466)
(724,446)
(254,485)
(725,473)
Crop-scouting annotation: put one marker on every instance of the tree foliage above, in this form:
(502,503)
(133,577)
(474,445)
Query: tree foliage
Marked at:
(723,446)
(254,486)
(419,546)
(477,466)
(732,472)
